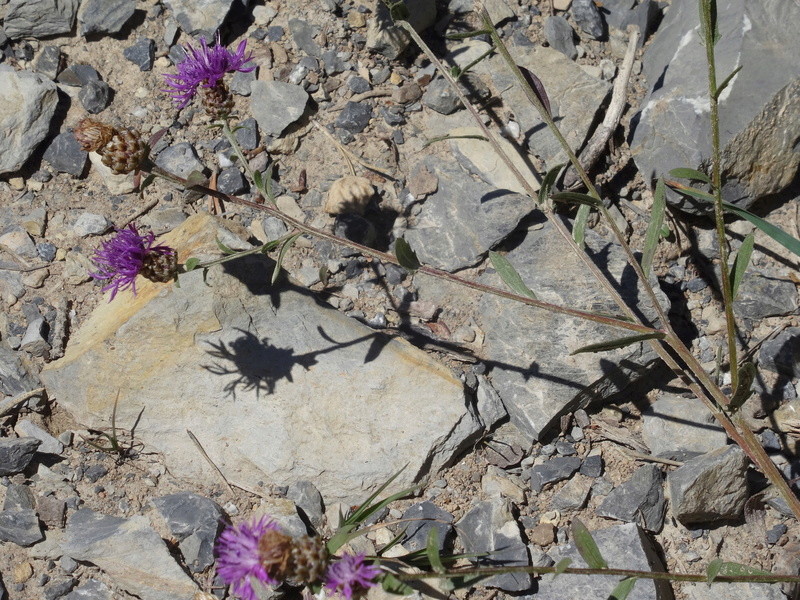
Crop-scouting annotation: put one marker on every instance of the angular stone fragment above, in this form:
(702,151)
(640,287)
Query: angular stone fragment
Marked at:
(678,428)
(16,454)
(419,519)
(276,105)
(104,16)
(555,469)
(639,500)
(20,527)
(39,18)
(200,17)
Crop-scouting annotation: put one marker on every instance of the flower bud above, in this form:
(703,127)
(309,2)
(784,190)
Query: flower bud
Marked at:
(125,152)
(92,135)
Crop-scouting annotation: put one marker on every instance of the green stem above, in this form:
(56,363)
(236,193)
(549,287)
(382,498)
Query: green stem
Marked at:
(229,257)
(231,137)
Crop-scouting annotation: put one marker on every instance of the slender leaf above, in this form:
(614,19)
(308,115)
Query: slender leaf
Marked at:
(732,569)
(654,227)
(432,550)
(708,21)
(623,588)
(747,374)
(619,343)
(776,233)
(393,585)
(586,546)
(579,228)
(561,566)
(576,198)
(191,264)
(690,191)
(281,253)
(195,178)
(258,180)
(467,34)
(442,138)
(713,569)
(693,174)
(538,88)
(509,275)
(740,262)
(548,181)
(405,255)
(727,80)
(223,248)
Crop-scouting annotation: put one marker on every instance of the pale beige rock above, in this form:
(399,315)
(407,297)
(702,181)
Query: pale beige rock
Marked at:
(276,387)
(349,194)
(116,183)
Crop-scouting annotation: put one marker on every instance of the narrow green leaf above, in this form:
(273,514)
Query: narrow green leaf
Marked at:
(405,255)
(548,181)
(727,80)
(393,585)
(619,343)
(268,183)
(747,374)
(623,588)
(443,138)
(147,181)
(509,275)
(713,569)
(692,174)
(561,566)
(776,233)
(576,198)
(665,231)
(258,180)
(432,550)
(690,191)
(579,227)
(740,262)
(586,546)
(223,248)
(654,227)
(191,264)
(279,261)
(708,21)
(732,569)
(467,34)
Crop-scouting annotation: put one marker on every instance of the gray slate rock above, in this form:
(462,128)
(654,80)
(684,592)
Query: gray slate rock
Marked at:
(463,219)
(104,16)
(95,96)
(588,18)
(616,12)
(20,527)
(195,522)
(78,75)
(303,35)
(275,105)
(781,354)
(756,109)
(639,500)
(58,588)
(439,96)
(39,18)
(762,294)
(231,181)
(679,428)
(533,370)
(592,466)
(16,454)
(142,53)
(710,487)
(247,134)
(124,549)
(91,224)
(490,527)
(200,17)
(386,38)
(19,497)
(307,498)
(27,103)
(48,63)
(49,444)
(180,159)
(623,547)
(740,591)
(15,377)
(242,83)
(422,518)
(91,590)
(65,155)
(560,35)
(555,469)
(354,117)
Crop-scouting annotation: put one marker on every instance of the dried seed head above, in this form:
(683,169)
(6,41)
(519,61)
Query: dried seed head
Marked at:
(159,267)
(309,559)
(92,135)
(275,552)
(217,100)
(125,152)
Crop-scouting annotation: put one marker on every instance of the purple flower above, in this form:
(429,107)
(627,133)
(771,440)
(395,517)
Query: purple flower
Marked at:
(239,559)
(349,575)
(204,67)
(125,256)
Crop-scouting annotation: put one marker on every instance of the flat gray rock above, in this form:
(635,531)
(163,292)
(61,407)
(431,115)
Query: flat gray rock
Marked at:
(15,375)
(65,154)
(91,590)
(200,17)
(20,527)
(639,500)
(39,18)
(679,428)
(16,454)
(419,520)
(756,110)
(781,354)
(764,294)
(463,219)
(561,36)
(130,552)
(49,444)
(388,39)
(276,386)
(623,547)
(740,591)
(180,159)
(27,103)
(276,105)
(529,349)
(104,16)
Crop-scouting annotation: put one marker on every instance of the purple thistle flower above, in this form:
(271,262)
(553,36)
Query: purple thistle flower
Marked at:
(204,67)
(239,559)
(125,256)
(349,575)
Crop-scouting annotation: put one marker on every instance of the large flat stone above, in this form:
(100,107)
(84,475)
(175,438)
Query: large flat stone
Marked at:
(39,18)
(200,17)
(276,386)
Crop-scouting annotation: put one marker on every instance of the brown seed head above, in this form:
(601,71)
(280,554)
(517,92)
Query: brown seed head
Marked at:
(92,135)
(125,151)
(275,551)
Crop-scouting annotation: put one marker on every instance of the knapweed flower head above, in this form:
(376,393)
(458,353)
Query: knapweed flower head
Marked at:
(239,561)
(120,148)
(129,254)
(350,575)
(204,67)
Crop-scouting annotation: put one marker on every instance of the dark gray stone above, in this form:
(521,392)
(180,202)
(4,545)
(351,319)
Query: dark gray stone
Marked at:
(78,75)
(231,181)
(46,251)
(276,105)
(588,18)
(20,527)
(710,487)
(490,528)
(241,83)
(307,497)
(555,469)
(463,219)
(95,96)
(19,497)
(65,155)
(354,117)
(104,16)
(422,518)
(776,533)
(16,454)
(617,12)
(247,134)
(592,466)
(643,17)
(770,440)
(91,590)
(68,564)
(623,547)
(439,96)
(303,36)
(15,376)
(763,294)
(58,588)
(781,354)
(48,63)
(639,500)
(565,448)
(333,63)
(560,35)
(180,159)
(358,85)
(392,117)
(39,18)
(142,53)
(95,472)
(274,33)
(195,522)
